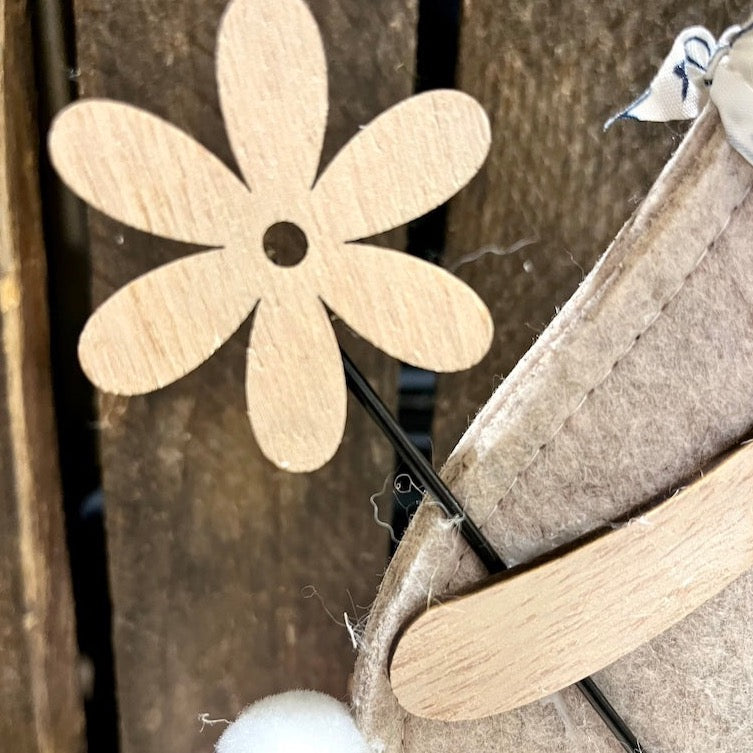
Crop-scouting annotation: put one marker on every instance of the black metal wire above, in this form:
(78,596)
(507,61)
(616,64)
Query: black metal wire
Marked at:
(609,716)
(433,484)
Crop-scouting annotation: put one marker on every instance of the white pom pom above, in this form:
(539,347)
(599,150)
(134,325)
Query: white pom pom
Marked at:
(300,721)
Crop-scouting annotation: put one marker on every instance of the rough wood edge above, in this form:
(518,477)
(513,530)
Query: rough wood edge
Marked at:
(46,610)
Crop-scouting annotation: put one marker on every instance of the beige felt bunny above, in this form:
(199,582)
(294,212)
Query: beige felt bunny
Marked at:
(641,380)
(635,386)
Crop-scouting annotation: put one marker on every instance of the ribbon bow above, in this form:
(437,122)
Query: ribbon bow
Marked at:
(699,68)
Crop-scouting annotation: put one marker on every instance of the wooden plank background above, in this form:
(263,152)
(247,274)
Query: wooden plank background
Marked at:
(212,550)
(39,690)
(223,569)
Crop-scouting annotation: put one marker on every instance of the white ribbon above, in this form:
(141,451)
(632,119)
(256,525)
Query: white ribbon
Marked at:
(699,68)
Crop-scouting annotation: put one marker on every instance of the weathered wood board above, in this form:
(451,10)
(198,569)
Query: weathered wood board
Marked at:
(549,75)
(39,694)
(215,554)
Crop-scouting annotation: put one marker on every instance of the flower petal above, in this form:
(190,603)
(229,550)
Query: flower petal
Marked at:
(272,78)
(408,308)
(166,323)
(409,160)
(295,386)
(145,172)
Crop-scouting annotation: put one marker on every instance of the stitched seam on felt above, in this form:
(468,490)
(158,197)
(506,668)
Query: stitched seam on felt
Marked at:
(608,373)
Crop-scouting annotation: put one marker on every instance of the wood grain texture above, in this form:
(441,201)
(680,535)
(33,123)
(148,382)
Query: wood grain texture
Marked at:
(39,694)
(272,83)
(210,547)
(535,632)
(549,74)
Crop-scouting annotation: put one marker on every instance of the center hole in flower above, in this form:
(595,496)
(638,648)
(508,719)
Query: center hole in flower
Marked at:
(285,244)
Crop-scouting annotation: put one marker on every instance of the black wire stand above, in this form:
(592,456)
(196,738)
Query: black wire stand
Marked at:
(426,475)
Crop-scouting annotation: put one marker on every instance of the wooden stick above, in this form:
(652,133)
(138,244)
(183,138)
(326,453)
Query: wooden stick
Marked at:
(535,632)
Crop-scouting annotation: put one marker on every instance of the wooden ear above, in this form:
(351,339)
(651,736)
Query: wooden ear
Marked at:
(548,626)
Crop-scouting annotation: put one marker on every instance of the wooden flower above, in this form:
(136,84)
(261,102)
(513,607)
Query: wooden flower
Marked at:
(146,173)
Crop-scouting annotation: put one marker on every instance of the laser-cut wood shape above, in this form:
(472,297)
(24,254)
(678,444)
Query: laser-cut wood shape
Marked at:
(536,632)
(144,172)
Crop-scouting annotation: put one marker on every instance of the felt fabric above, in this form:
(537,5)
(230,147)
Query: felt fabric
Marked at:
(644,376)
(549,74)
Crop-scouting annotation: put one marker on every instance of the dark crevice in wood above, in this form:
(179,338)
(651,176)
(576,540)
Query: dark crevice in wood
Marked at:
(69,297)
(436,61)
